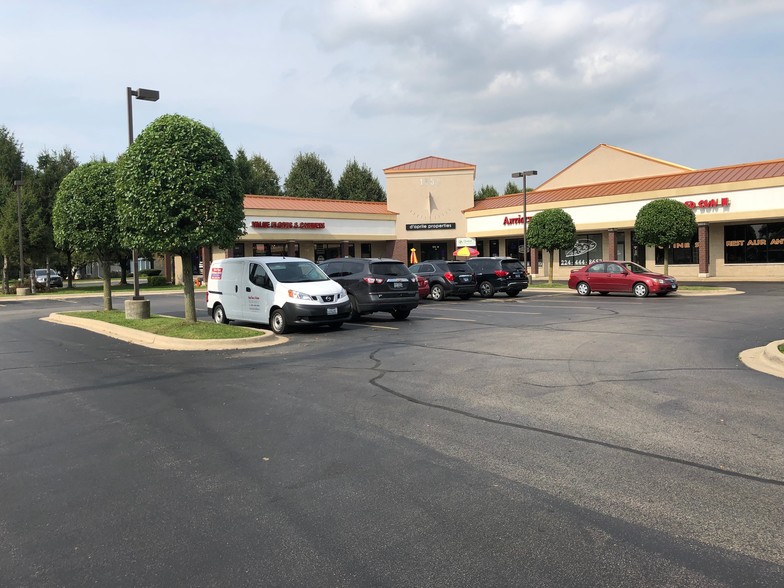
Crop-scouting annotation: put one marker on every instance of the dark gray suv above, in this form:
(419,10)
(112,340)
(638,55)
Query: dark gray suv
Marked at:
(375,285)
(499,274)
(447,278)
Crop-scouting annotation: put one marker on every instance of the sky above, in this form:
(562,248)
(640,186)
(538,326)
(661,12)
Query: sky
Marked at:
(505,85)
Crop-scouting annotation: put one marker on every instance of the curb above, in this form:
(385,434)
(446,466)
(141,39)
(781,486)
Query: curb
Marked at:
(767,359)
(162,342)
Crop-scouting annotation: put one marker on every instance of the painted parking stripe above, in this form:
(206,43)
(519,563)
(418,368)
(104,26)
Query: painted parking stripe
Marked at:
(444,318)
(485,311)
(371,326)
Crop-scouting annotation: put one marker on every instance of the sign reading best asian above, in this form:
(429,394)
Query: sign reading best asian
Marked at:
(287,225)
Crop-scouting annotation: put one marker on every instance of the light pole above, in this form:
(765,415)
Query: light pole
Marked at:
(524,175)
(150,96)
(18,187)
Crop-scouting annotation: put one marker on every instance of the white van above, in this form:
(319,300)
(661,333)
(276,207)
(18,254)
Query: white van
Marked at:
(276,291)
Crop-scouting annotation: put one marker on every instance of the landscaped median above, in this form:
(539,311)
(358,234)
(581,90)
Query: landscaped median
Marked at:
(169,333)
(768,359)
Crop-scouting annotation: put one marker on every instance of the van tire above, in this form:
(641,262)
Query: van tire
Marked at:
(219,315)
(278,322)
(354,308)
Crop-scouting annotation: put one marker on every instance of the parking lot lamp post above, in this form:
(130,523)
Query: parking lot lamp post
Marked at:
(524,175)
(150,96)
(18,187)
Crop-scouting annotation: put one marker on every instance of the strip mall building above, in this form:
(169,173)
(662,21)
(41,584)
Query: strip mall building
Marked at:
(430,205)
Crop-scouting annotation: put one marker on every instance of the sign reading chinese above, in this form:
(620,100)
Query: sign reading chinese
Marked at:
(286,225)
(708,203)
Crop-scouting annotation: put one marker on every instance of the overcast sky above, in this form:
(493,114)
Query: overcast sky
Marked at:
(506,85)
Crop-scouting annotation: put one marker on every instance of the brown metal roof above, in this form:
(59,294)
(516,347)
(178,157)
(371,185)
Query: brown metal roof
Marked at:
(314,204)
(703,177)
(430,163)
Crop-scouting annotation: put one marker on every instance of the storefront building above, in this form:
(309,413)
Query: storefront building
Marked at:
(430,210)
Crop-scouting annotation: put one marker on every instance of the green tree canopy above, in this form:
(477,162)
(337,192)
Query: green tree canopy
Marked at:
(309,177)
(11,162)
(486,191)
(512,188)
(84,217)
(178,191)
(551,230)
(359,183)
(265,179)
(662,222)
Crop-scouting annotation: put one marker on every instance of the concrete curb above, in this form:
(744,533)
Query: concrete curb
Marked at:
(767,359)
(154,341)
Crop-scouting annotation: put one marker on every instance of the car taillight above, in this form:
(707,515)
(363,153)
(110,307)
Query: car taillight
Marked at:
(372,280)
(501,273)
(449,276)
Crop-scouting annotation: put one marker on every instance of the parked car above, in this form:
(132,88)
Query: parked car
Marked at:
(498,274)
(55,280)
(375,285)
(447,278)
(424,287)
(620,276)
(278,291)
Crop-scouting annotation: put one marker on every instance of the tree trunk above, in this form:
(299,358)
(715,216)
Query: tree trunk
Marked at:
(550,277)
(124,272)
(187,286)
(106,270)
(666,257)
(70,273)
(6,288)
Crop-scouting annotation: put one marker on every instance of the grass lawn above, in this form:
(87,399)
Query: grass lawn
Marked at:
(169,326)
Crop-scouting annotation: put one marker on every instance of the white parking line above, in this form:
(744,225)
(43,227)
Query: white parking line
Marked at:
(443,318)
(371,326)
(482,311)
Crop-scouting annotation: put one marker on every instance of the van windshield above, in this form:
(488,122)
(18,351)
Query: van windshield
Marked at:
(291,272)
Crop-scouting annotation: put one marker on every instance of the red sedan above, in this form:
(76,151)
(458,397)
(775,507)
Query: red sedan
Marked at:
(424,286)
(620,276)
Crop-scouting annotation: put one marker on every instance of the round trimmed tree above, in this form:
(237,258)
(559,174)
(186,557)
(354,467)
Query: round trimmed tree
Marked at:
(178,190)
(84,217)
(551,230)
(661,223)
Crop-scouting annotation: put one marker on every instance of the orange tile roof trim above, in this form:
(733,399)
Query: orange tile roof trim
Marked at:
(294,204)
(704,177)
(430,163)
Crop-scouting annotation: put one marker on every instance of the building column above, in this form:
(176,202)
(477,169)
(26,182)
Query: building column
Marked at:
(703,238)
(398,249)
(534,261)
(344,248)
(291,248)
(613,244)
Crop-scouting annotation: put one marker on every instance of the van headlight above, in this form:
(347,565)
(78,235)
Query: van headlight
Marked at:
(300,295)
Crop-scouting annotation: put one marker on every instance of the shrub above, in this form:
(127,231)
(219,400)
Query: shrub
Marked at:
(156,281)
(150,272)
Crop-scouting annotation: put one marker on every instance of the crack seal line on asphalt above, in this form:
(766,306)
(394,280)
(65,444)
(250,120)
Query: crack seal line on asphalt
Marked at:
(640,452)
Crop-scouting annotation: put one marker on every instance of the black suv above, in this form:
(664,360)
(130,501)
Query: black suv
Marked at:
(499,274)
(447,278)
(375,285)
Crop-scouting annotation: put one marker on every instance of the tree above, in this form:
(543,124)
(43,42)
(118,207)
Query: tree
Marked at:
(359,183)
(11,166)
(551,229)
(309,177)
(661,223)
(244,171)
(486,191)
(511,188)
(256,175)
(84,217)
(179,191)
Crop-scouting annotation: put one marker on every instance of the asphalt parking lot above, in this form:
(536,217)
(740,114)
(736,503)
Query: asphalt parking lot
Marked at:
(544,440)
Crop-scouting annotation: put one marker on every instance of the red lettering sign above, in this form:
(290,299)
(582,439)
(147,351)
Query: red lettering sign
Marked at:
(287,225)
(708,203)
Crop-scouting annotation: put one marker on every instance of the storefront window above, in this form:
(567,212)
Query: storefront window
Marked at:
(434,251)
(587,249)
(620,246)
(365,249)
(760,243)
(514,248)
(494,248)
(326,251)
(276,249)
(680,253)
(238,250)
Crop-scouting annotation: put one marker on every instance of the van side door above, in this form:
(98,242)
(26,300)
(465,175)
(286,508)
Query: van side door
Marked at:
(259,294)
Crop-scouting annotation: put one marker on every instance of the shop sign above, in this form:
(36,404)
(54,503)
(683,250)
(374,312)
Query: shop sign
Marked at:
(515,220)
(287,225)
(708,203)
(430,226)
(465,242)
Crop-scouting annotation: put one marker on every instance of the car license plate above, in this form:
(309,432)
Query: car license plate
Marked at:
(398,285)
(332,310)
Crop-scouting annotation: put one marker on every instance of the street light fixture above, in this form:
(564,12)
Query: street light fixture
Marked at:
(524,175)
(18,188)
(150,96)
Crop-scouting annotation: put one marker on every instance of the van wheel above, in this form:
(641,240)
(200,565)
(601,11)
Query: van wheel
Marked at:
(278,322)
(400,315)
(219,315)
(486,290)
(437,292)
